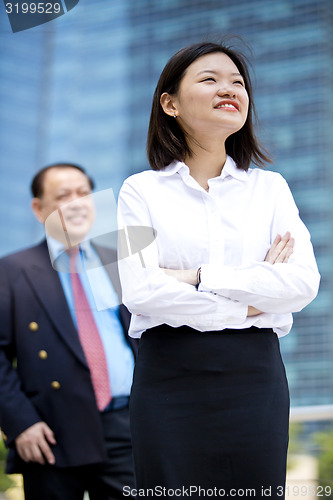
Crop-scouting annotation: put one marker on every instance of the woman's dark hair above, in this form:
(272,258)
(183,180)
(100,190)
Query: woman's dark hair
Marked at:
(37,184)
(166,139)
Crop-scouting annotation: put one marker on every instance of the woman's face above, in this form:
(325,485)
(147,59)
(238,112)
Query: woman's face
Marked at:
(212,98)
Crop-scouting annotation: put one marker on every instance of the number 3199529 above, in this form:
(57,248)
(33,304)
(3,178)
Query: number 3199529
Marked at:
(33,8)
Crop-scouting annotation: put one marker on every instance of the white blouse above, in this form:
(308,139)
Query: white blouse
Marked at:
(227,231)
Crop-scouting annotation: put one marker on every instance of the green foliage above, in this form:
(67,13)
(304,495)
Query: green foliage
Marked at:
(295,444)
(5,481)
(325,459)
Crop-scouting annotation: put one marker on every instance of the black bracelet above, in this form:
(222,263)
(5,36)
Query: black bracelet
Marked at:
(199,276)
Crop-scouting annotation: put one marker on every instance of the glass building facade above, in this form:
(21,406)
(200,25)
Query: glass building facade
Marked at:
(79,89)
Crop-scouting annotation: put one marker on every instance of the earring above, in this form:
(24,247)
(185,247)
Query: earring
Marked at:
(174,115)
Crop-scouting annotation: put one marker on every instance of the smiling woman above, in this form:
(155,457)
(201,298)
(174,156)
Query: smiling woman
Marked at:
(210,87)
(167,141)
(211,295)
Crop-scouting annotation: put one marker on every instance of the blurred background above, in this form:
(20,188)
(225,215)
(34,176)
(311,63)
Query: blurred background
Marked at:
(79,89)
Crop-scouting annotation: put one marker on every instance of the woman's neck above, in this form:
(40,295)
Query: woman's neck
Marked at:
(205,164)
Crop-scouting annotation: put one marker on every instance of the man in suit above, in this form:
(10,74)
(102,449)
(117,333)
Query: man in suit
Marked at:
(65,365)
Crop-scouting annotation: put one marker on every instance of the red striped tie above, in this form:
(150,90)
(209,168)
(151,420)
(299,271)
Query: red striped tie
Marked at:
(89,337)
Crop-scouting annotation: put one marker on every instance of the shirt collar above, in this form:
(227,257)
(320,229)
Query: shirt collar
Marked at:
(173,168)
(56,248)
(230,169)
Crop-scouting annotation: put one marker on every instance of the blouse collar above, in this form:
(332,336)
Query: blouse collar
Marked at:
(229,169)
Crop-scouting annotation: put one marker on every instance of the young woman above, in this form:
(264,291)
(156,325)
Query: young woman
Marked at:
(230,261)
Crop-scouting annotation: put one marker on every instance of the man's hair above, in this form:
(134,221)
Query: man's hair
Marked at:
(166,140)
(37,184)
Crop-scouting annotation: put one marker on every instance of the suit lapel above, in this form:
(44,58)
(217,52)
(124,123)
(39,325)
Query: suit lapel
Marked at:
(109,260)
(47,286)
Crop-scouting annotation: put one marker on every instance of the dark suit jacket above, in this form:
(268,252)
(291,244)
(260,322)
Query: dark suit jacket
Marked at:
(43,372)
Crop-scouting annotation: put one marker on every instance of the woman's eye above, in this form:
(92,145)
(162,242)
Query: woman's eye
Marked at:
(240,82)
(209,79)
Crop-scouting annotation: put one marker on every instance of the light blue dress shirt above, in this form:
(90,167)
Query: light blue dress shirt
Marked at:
(119,355)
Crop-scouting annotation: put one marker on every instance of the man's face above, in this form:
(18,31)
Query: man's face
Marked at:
(66,207)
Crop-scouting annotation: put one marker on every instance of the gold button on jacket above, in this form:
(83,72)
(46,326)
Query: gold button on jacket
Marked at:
(42,354)
(33,326)
(55,384)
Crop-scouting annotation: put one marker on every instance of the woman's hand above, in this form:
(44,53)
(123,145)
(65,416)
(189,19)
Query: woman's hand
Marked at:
(252,311)
(281,249)
(189,276)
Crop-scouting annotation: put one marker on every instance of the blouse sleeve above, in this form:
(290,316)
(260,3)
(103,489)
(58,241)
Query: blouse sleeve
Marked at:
(147,290)
(278,288)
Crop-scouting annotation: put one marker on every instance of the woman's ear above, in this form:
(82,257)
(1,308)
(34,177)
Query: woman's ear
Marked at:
(168,105)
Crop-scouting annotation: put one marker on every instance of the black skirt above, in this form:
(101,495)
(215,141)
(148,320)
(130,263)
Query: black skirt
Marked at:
(210,410)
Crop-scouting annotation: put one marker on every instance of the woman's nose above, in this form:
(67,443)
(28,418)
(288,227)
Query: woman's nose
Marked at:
(226,91)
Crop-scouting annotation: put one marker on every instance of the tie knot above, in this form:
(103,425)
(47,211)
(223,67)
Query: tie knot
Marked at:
(73,253)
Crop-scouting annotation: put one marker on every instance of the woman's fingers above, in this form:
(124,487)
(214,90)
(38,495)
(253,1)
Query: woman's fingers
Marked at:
(281,249)
(272,252)
(286,251)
